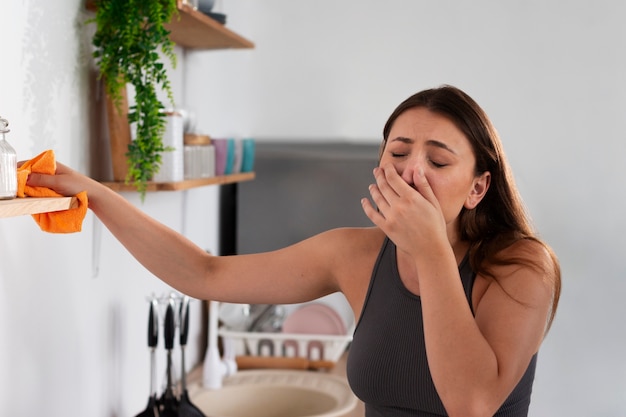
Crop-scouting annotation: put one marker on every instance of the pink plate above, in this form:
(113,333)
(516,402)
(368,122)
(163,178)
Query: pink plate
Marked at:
(315,318)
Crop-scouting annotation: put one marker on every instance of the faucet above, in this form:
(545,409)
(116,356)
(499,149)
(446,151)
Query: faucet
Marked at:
(215,369)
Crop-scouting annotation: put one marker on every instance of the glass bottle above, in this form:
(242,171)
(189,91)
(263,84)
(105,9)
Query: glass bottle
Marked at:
(8,165)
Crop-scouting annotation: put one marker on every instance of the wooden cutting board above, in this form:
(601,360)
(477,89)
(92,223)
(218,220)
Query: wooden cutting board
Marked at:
(275,362)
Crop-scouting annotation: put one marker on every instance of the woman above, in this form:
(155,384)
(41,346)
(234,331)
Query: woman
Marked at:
(453,291)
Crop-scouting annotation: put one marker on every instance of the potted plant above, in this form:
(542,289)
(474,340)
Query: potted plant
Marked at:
(128,38)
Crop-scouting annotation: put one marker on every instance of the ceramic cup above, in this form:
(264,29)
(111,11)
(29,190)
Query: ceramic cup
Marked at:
(230,156)
(221,155)
(238,155)
(247,163)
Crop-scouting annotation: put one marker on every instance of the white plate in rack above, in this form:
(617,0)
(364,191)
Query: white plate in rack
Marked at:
(314,318)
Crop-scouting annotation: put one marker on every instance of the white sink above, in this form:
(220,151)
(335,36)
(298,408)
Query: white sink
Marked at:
(276,393)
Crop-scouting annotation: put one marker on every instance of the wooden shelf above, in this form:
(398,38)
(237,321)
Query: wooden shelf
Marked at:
(35,205)
(190,29)
(184,185)
(193,29)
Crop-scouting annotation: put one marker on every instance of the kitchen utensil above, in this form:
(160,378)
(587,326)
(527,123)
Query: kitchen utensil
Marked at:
(169,402)
(152,409)
(235,316)
(185,406)
(279,362)
(263,317)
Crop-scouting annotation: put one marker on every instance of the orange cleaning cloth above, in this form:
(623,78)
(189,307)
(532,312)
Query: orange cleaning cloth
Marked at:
(65,221)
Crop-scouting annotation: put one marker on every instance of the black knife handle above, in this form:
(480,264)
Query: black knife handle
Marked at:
(153,324)
(184,320)
(170,326)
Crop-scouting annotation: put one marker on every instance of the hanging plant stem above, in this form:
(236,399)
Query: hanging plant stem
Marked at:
(129,36)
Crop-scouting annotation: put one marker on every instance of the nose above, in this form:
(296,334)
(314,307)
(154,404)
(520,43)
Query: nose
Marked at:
(409,170)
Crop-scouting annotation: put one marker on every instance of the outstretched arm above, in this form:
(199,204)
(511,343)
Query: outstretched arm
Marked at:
(161,250)
(297,273)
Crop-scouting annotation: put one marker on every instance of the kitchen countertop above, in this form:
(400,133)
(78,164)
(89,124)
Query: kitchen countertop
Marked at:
(195,376)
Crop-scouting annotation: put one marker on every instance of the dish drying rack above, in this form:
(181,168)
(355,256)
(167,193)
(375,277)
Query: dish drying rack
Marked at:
(319,330)
(290,345)
(312,347)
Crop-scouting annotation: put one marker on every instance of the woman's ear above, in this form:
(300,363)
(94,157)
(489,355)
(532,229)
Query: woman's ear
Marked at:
(479,189)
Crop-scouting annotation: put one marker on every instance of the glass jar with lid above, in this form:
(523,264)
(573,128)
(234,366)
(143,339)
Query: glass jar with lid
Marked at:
(8,164)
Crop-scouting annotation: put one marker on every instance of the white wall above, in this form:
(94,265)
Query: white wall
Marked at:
(550,74)
(73,343)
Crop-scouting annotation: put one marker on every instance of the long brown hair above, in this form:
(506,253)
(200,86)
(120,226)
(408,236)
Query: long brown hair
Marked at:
(500,219)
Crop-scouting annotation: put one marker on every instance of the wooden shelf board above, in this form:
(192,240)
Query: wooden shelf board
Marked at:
(35,205)
(184,185)
(193,29)
(189,29)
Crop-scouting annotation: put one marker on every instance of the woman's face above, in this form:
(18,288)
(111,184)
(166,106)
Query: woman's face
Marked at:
(421,139)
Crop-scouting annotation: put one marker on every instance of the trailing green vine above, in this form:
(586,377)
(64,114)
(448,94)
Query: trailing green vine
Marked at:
(128,38)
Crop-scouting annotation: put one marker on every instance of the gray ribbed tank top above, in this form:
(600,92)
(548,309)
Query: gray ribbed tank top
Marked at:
(387,365)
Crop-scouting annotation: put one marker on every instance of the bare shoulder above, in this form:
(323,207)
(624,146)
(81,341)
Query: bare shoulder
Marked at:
(354,252)
(526,272)
(349,247)
(528,258)
(338,249)
(354,238)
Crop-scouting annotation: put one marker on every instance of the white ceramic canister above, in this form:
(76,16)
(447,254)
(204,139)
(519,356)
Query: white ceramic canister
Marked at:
(209,162)
(199,156)
(173,161)
(191,169)
(195,161)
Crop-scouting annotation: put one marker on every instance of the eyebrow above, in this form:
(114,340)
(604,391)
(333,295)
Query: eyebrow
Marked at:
(429,142)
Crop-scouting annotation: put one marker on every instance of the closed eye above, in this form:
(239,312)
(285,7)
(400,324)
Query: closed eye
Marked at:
(437,164)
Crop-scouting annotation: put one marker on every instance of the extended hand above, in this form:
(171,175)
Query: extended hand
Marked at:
(66,181)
